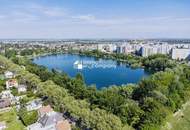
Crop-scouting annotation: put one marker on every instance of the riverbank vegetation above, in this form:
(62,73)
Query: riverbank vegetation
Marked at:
(58,97)
(158,62)
(143,106)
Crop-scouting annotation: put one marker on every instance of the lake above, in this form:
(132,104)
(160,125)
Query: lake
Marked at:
(100,72)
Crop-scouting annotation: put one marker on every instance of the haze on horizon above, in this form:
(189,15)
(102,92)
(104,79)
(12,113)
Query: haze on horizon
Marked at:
(94,19)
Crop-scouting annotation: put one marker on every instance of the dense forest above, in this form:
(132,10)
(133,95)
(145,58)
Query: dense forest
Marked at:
(144,106)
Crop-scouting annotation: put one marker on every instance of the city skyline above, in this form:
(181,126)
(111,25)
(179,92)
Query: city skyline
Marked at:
(94,19)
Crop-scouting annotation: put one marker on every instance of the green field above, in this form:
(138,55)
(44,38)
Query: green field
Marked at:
(11,120)
(180,120)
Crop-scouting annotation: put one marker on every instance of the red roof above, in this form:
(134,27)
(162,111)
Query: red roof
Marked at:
(12,81)
(63,125)
(45,109)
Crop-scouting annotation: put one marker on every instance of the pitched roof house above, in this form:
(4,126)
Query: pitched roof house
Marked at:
(63,125)
(6,94)
(11,83)
(22,88)
(4,103)
(49,120)
(9,74)
(34,105)
(45,109)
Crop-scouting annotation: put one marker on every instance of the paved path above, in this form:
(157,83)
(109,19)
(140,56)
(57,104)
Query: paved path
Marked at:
(5,109)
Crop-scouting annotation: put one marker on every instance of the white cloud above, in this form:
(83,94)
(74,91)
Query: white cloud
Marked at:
(37,12)
(87,17)
(51,20)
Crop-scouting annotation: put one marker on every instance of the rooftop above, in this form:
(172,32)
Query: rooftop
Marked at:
(63,125)
(50,118)
(45,109)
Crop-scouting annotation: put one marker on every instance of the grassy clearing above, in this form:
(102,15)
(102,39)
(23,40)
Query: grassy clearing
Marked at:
(11,120)
(180,120)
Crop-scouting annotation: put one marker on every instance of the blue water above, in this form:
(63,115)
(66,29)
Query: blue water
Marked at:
(117,74)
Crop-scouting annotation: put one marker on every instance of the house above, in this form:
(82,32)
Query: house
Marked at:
(34,105)
(3,125)
(44,110)
(21,88)
(9,74)
(50,120)
(11,83)
(16,99)
(6,94)
(63,125)
(18,107)
(4,103)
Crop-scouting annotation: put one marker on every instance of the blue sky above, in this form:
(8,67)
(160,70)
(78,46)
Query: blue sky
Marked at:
(94,18)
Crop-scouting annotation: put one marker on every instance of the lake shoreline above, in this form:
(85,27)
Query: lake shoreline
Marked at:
(124,69)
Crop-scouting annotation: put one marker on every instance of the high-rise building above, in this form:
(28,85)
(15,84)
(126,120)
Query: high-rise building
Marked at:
(180,53)
(148,50)
(121,49)
(107,47)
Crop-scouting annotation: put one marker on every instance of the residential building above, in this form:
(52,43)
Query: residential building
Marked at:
(106,47)
(126,48)
(6,94)
(63,125)
(16,99)
(5,103)
(180,53)
(50,120)
(121,49)
(34,105)
(9,75)
(22,88)
(47,122)
(11,83)
(148,50)
(44,110)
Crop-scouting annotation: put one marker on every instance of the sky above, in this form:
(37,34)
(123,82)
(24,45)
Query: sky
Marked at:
(60,19)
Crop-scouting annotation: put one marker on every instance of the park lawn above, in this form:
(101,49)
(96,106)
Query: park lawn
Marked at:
(11,120)
(181,120)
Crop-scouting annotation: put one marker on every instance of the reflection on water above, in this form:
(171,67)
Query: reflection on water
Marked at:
(93,64)
(101,72)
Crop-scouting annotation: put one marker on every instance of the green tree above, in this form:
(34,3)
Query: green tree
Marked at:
(10,53)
